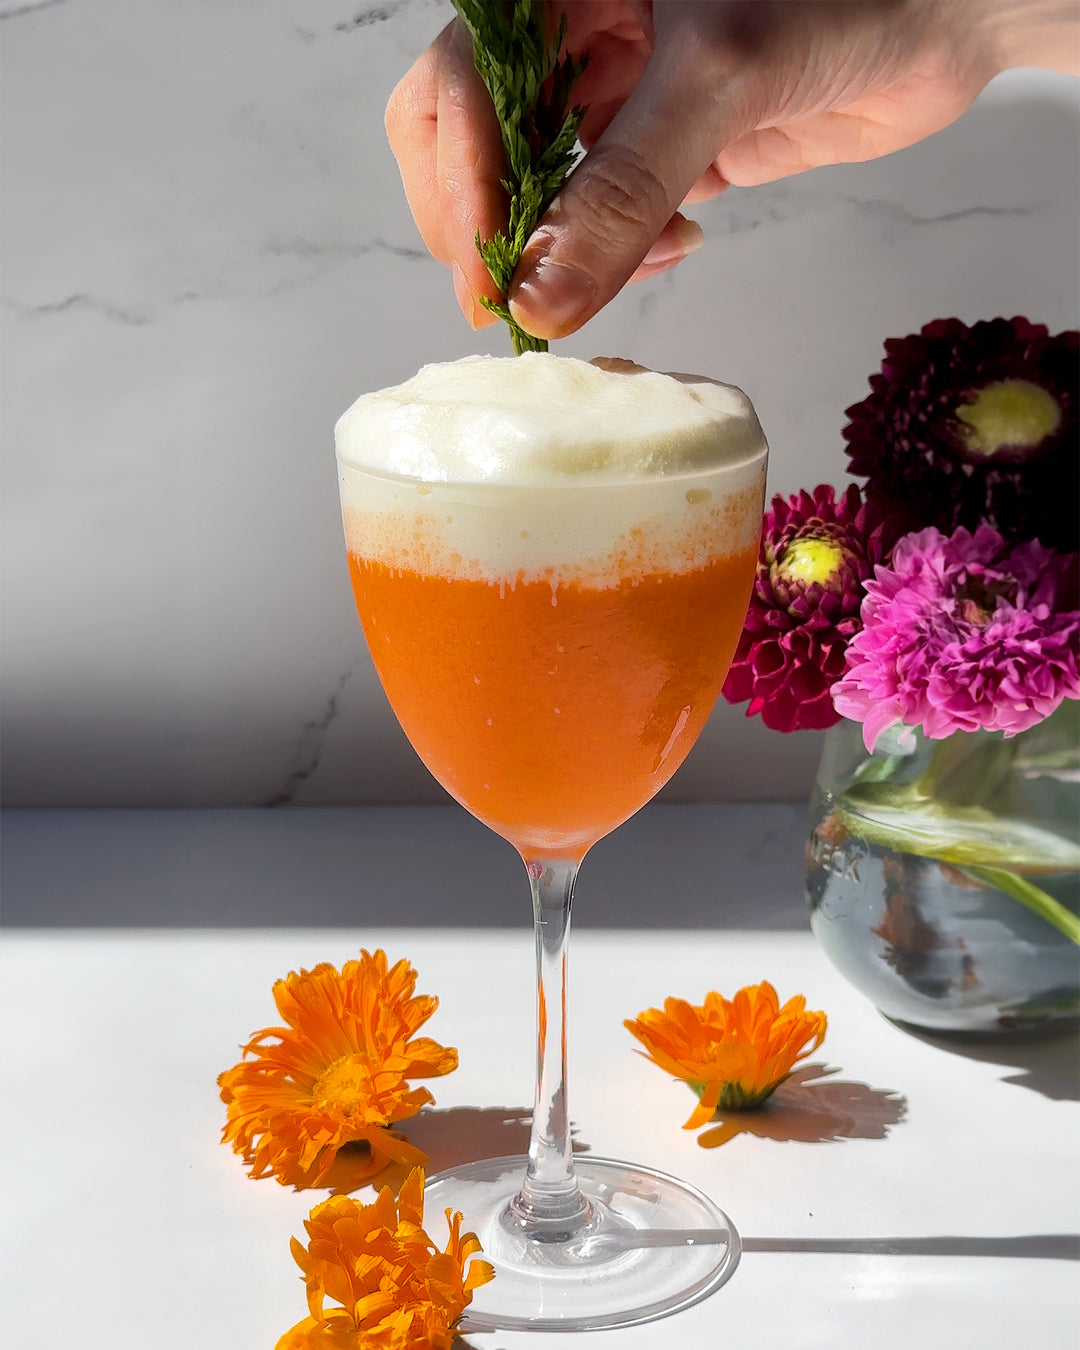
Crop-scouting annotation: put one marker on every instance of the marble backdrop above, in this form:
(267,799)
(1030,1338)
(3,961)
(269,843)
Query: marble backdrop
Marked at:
(207,256)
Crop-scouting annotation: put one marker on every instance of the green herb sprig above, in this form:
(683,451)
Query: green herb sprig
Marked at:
(530,86)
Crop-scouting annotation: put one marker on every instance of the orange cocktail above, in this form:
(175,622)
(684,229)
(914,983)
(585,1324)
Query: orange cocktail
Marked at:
(551,562)
(553,713)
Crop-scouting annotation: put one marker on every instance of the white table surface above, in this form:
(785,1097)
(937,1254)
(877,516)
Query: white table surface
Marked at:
(934,1221)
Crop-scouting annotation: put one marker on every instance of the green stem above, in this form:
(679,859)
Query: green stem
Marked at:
(958,811)
(522,341)
(907,829)
(518,57)
(1037,900)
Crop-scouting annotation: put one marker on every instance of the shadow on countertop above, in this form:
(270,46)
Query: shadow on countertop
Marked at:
(672,866)
(1045,1062)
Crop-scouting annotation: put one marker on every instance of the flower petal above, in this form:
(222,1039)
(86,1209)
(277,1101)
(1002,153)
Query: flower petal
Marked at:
(733,1053)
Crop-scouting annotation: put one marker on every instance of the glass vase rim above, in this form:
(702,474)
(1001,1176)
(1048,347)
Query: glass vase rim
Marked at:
(904,738)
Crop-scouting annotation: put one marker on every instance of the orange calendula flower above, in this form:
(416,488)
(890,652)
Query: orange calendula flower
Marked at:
(732,1053)
(394,1289)
(311,1103)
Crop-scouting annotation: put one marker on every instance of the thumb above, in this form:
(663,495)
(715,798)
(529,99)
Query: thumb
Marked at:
(617,201)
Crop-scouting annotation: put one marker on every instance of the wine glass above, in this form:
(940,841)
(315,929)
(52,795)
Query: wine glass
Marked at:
(552,650)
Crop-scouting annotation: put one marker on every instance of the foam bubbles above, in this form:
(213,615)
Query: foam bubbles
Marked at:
(512,469)
(541,419)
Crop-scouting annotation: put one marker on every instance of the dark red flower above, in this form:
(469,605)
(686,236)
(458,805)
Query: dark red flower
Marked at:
(976,425)
(816,552)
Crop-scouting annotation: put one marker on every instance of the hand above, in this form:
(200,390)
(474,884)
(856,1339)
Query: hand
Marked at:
(685,98)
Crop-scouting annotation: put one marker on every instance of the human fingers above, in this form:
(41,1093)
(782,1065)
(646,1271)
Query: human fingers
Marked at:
(678,239)
(599,118)
(471,162)
(711,183)
(627,188)
(867,128)
(443,133)
(411,122)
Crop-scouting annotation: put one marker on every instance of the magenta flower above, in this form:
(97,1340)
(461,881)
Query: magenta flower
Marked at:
(816,552)
(961,633)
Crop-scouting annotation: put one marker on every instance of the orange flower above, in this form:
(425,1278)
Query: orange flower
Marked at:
(313,1103)
(731,1053)
(395,1289)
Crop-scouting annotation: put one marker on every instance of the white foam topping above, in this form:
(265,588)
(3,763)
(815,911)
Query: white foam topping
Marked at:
(538,419)
(507,469)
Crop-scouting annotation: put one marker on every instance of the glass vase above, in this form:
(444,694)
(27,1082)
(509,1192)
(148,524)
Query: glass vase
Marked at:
(943,877)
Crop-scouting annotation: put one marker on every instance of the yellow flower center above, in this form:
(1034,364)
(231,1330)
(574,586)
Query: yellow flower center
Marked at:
(1008,413)
(811,560)
(344,1087)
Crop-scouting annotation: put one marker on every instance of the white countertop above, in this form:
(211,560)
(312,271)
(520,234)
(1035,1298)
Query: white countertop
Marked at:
(921,1194)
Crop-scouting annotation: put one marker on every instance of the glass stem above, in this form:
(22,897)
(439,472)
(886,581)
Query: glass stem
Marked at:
(550,1206)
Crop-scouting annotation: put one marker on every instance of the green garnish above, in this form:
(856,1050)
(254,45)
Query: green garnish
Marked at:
(530,86)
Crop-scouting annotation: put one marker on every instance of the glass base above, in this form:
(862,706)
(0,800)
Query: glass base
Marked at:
(653,1246)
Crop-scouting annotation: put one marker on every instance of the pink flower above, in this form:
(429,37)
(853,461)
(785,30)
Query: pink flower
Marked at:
(960,633)
(816,552)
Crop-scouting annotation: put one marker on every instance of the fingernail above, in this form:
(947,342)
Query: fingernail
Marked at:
(554,299)
(465,299)
(679,240)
